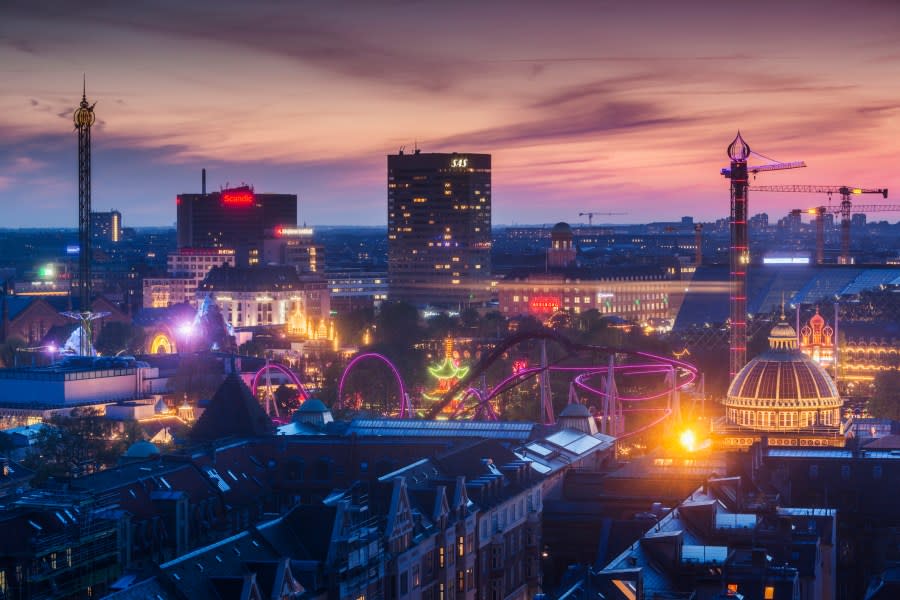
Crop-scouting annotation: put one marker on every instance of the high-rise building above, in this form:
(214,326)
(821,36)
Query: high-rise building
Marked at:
(296,247)
(439,228)
(237,218)
(106,226)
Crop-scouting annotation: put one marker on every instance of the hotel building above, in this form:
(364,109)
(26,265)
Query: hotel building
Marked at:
(237,218)
(439,228)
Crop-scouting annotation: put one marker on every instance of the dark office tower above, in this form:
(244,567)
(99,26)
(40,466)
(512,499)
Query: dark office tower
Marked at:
(439,229)
(106,227)
(236,218)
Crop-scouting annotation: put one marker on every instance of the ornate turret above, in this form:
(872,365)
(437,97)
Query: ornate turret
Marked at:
(783,337)
(738,149)
(84,114)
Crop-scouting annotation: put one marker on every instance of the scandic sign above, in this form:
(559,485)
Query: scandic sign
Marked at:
(237,198)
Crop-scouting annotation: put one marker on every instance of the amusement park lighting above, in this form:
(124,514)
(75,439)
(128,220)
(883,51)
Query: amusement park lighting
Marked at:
(186,329)
(688,440)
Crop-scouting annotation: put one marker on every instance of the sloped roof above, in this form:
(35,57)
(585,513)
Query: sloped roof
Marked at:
(142,449)
(250,279)
(232,412)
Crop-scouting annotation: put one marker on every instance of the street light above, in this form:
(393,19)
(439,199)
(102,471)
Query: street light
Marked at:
(186,331)
(51,349)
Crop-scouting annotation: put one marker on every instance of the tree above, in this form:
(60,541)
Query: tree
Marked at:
(197,376)
(398,325)
(76,445)
(117,337)
(441,325)
(287,398)
(885,401)
(255,346)
(351,326)
(8,350)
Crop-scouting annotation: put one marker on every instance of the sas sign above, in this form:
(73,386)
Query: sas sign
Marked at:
(459,163)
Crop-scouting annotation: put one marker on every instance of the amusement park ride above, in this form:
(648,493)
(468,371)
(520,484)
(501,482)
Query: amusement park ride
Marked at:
(587,381)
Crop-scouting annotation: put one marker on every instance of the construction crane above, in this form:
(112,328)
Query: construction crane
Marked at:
(844,210)
(738,173)
(591,215)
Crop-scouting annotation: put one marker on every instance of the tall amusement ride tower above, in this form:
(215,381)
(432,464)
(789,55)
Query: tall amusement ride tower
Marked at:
(84,119)
(738,152)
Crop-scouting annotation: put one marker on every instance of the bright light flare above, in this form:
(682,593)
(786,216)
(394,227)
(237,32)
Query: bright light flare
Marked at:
(688,440)
(186,329)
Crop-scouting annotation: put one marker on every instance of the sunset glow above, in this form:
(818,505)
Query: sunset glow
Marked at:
(590,106)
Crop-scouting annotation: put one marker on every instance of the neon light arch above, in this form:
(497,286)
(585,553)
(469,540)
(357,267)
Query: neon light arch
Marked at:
(284,370)
(162,344)
(404,401)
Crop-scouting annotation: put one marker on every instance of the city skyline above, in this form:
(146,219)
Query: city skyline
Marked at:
(592,108)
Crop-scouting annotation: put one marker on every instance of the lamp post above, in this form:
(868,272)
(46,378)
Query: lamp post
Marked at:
(186,332)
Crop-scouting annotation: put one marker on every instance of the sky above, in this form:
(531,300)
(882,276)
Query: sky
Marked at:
(606,106)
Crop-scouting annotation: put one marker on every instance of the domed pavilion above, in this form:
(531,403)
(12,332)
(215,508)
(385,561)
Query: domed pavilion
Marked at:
(783,390)
(785,395)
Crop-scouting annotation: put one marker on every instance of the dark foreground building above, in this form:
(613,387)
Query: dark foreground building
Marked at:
(439,228)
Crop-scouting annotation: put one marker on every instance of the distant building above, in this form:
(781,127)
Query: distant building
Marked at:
(268,295)
(864,353)
(32,319)
(562,246)
(294,246)
(236,218)
(106,227)
(439,228)
(644,296)
(187,267)
(353,290)
(759,221)
(28,394)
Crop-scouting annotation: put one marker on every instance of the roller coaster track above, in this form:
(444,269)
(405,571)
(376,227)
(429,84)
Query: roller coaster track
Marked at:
(572,349)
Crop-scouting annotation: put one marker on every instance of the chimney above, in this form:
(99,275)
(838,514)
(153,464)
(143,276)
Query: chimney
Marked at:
(4,328)
(203,181)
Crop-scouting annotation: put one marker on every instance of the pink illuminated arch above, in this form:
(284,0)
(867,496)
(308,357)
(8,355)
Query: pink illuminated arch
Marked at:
(284,370)
(405,407)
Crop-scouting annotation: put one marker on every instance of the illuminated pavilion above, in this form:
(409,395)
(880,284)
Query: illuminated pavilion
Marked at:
(784,395)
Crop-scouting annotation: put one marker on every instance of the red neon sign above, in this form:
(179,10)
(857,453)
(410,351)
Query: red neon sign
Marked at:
(544,304)
(241,198)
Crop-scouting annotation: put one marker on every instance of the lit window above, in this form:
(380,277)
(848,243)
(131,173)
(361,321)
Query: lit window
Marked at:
(769,592)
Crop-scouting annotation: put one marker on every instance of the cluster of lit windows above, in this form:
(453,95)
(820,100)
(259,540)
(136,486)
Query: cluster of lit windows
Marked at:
(785,419)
